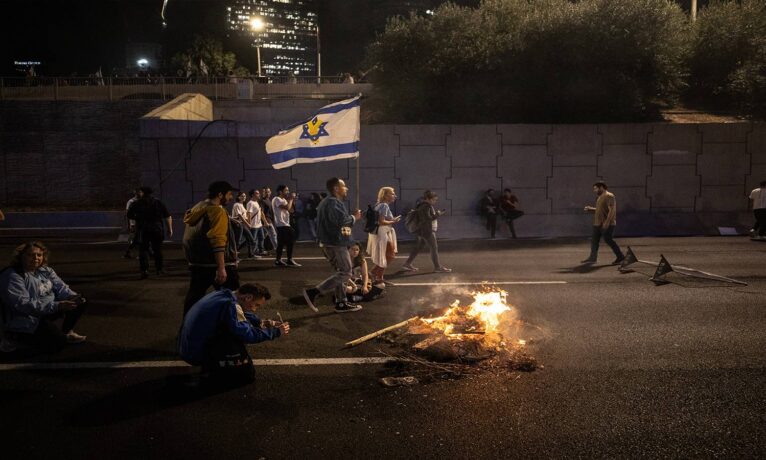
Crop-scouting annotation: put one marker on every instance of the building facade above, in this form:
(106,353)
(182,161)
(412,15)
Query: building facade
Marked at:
(288,40)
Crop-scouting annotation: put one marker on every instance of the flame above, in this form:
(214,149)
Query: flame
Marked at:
(483,316)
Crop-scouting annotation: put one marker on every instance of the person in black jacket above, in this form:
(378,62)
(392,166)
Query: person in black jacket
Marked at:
(149,214)
(426,218)
(489,208)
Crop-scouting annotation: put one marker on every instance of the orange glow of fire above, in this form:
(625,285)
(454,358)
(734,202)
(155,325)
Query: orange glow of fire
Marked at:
(485,311)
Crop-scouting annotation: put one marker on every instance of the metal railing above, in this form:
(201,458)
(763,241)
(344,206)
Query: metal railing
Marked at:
(166,88)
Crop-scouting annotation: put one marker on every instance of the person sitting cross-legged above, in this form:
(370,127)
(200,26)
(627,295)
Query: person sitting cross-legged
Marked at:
(32,298)
(217,328)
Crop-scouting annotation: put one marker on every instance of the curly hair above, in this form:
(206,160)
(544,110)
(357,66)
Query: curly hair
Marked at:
(18,253)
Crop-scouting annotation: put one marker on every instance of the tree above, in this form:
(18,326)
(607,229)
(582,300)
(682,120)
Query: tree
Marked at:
(207,56)
(522,61)
(728,62)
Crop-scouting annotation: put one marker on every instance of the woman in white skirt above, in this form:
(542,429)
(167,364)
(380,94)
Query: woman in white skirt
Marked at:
(381,245)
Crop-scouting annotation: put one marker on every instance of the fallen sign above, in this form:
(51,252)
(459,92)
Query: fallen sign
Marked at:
(664,267)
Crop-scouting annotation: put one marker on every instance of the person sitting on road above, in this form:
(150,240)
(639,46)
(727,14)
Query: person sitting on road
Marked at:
(360,288)
(33,297)
(217,327)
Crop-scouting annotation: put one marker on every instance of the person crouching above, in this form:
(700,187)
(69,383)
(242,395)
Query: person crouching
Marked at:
(217,328)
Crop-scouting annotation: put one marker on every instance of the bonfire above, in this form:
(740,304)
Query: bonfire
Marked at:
(483,331)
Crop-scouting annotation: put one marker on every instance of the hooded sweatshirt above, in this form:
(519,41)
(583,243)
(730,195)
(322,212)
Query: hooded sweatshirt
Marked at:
(207,232)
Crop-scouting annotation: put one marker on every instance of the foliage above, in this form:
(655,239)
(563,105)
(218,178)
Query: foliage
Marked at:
(209,51)
(728,63)
(531,61)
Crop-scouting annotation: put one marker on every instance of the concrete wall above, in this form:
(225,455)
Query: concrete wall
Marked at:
(69,155)
(668,179)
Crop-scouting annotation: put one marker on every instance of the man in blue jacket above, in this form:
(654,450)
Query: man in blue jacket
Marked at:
(217,327)
(334,224)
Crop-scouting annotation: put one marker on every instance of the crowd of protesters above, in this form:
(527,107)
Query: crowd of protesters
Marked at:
(218,324)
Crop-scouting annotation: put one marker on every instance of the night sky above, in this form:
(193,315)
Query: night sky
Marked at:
(80,36)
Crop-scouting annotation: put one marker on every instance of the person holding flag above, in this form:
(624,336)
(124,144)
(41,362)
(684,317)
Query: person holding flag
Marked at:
(334,225)
(331,133)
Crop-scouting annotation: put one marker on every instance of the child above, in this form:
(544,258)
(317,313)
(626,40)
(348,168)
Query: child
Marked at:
(360,288)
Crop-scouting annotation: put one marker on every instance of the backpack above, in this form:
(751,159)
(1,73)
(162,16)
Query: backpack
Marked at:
(412,221)
(371,217)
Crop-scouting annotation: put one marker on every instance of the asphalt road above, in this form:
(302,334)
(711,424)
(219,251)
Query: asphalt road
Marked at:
(631,369)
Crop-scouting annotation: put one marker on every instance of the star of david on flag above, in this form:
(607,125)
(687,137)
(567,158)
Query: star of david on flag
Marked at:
(332,133)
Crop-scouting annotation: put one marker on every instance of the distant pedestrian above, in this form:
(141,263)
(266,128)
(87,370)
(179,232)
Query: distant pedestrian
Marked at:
(510,209)
(255,214)
(758,205)
(282,205)
(150,214)
(217,328)
(488,208)
(310,212)
(381,244)
(210,245)
(132,241)
(241,221)
(604,222)
(423,223)
(334,224)
(268,217)
(360,288)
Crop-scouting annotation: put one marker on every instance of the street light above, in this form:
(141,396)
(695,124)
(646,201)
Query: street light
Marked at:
(257,25)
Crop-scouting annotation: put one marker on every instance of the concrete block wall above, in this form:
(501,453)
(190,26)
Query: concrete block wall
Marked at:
(668,179)
(69,155)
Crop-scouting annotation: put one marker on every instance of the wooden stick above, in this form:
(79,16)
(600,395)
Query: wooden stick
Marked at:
(379,332)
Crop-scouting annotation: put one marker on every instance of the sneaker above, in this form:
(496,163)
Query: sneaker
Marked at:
(310,295)
(279,263)
(7,345)
(345,307)
(73,337)
(588,261)
(292,263)
(443,270)
(409,268)
(618,260)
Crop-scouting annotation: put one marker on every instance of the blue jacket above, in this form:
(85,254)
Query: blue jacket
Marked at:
(332,217)
(203,319)
(28,296)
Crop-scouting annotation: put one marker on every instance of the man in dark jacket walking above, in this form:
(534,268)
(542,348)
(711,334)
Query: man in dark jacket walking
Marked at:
(425,229)
(149,214)
(334,225)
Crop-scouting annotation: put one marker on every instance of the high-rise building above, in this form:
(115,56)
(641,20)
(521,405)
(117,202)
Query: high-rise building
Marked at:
(288,36)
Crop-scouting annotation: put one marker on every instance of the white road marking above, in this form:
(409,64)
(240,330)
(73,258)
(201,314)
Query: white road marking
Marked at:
(474,283)
(172,364)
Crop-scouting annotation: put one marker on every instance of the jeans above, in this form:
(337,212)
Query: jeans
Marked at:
(285,238)
(760,221)
(271,232)
(430,241)
(258,237)
(492,224)
(313,228)
(226,360)
(204,277)
(48,337)
(153,240)
(599,232)
(246,238)
(340,260)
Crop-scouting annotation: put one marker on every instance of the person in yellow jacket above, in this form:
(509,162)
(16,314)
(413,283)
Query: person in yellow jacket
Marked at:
(210,245)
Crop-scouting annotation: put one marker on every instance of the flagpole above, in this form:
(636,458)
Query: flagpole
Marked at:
(357,182)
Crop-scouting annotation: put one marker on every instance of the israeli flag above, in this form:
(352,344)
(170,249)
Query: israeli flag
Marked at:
(332,133)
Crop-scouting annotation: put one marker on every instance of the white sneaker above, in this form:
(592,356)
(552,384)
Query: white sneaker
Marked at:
(73,337)
(409,268)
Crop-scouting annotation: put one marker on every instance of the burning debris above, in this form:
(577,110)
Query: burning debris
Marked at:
(464,340)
